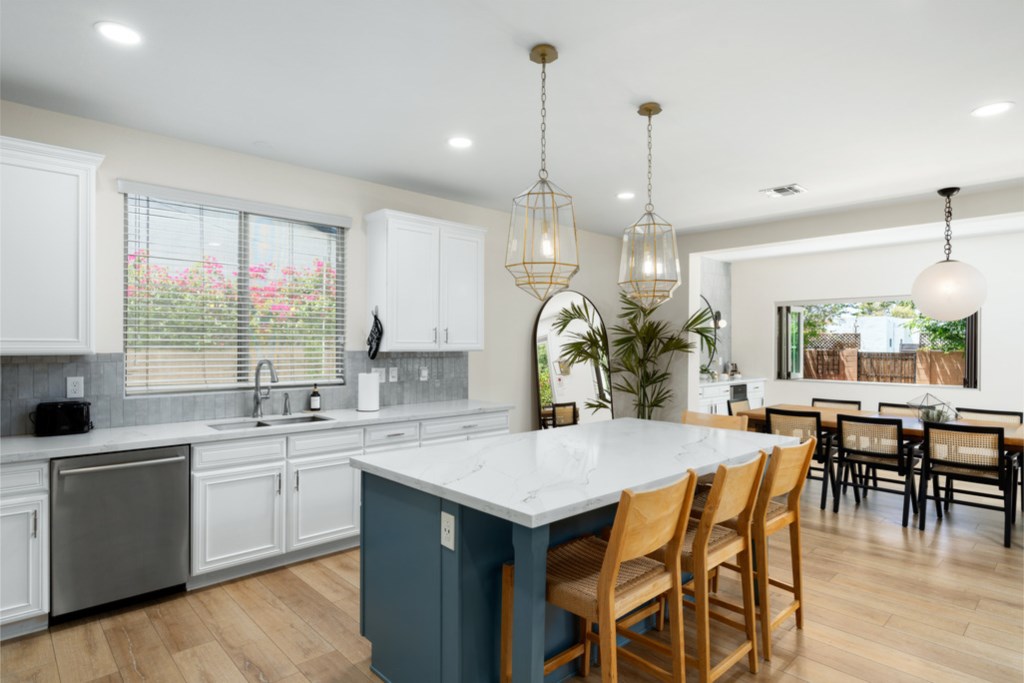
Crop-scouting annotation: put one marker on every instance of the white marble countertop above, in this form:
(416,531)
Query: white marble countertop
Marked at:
(535,478)
(741,380)
(33,448)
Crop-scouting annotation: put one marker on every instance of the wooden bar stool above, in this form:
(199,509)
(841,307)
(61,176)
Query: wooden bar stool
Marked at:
(711,544)
(737,422)
(605,583)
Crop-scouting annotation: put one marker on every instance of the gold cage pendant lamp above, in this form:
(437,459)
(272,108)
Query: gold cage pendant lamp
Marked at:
(542,253)
(649,269)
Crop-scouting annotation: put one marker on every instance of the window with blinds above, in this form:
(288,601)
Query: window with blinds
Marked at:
(208,292)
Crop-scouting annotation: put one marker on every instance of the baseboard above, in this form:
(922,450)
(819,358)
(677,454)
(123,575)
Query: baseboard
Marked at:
(24,627)
(204,580)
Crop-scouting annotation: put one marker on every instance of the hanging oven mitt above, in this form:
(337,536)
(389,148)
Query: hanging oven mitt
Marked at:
(376,334)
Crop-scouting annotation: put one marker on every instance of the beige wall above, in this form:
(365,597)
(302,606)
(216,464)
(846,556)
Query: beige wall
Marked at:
(502,372)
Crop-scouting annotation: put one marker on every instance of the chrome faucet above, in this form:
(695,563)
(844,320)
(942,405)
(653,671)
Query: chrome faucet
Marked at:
(261,394)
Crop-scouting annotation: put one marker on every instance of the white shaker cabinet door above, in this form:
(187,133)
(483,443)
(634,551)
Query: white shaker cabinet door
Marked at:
(237,516)
(323,500)
(24,576)
(47,197)
(412,287)
(462,290)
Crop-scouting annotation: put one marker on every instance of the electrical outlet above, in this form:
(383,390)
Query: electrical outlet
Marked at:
(424,373)
(381,377)
(76,387)
(448,530)
(393,374)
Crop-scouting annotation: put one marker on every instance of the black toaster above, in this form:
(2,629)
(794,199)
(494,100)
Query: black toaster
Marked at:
(61,417)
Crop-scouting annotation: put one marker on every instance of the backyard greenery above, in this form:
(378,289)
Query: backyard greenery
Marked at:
(935,335)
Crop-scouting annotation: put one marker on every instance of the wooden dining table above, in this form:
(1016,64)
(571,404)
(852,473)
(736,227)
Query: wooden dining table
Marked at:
(913,427)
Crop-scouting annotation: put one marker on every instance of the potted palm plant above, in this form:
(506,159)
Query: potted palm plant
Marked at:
(643,349)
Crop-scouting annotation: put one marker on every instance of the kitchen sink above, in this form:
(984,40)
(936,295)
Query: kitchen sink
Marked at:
(268,422)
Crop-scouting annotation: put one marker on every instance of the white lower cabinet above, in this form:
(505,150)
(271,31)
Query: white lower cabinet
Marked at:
(237,516)
(323,487)
(24,567)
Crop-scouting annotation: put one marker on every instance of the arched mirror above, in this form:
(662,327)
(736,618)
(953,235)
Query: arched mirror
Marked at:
(571,362)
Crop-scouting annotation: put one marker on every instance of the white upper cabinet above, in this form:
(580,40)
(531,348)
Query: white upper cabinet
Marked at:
(47,216)
(426,280)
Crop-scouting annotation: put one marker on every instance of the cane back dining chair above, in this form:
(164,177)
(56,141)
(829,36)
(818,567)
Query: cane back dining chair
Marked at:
(738,406)
(897,410)
(969,453)
(1011,417)
(605,582)
(838,404)
(565,414)
(805,425)
(876,443)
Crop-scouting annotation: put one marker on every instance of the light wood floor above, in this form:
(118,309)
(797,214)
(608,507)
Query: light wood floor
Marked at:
(885,604)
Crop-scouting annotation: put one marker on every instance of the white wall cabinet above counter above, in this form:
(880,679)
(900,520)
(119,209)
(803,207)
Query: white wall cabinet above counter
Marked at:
(47,216)
(426,280)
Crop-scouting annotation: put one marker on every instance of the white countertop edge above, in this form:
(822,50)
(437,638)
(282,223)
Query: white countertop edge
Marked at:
(27,448)
(532,521)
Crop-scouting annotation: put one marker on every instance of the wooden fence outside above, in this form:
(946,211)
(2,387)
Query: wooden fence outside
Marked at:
(921,367)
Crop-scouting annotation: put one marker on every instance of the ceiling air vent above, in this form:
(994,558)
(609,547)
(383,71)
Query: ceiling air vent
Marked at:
(783,191)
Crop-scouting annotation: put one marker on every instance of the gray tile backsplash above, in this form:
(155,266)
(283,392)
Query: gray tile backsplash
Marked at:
(28,380)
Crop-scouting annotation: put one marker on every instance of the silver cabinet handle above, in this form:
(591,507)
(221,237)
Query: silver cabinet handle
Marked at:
(123,465)
(296,481)
(35,524)
(435,334)
(446,335)
(279,483)
(470,426)
(391,436)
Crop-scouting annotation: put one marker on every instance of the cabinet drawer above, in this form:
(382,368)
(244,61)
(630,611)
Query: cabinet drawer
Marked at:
(237,452)
(721,391)
(335,441)
(756,389)
(472,424)
(27,478)
(385,435)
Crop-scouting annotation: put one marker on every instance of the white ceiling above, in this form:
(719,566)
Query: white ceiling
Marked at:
(857,101)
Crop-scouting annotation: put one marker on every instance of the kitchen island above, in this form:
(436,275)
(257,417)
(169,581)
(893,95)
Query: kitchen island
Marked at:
(431,612)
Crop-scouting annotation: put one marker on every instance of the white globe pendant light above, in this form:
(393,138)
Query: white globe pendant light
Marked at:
(949,290)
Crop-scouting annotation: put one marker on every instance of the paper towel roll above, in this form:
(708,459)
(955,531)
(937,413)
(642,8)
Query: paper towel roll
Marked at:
(369,392)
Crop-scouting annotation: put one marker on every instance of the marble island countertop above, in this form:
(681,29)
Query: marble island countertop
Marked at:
(17,449)
(727,380)
(534,478)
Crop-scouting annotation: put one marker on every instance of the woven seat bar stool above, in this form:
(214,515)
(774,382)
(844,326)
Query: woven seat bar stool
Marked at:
(805,425)
(877,443)
(973,454)
(737,422)
(785,477)
(1012,417)
(615,584)
(737,406)
(711,544)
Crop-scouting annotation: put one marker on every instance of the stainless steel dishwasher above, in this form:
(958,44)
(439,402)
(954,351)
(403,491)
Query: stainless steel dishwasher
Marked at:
(119,526)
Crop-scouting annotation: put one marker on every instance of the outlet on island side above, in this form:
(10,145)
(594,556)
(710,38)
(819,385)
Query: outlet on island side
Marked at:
(448,530)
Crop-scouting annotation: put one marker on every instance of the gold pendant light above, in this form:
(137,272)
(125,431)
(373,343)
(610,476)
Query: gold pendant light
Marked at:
(542,252)
(649,269)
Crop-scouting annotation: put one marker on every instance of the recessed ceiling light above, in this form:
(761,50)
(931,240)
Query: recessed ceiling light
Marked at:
(625,195)
(992,109)
(783,191)
(118,33)
(460,143)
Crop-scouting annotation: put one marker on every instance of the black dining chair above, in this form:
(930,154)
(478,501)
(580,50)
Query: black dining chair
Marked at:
(877,443)
(805,425)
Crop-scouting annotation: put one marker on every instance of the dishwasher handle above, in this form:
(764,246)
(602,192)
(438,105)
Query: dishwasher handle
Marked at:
(122,466)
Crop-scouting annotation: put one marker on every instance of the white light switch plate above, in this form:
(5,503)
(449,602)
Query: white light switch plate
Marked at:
(393,374)
(76,387)
(448,530)
(424,373)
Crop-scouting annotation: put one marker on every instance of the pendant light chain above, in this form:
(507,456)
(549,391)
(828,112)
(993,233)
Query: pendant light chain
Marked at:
(543,121)
(949,230)
(650,165)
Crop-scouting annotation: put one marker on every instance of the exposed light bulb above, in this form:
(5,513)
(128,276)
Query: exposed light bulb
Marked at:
(545,246)
(648,267)
(118,33)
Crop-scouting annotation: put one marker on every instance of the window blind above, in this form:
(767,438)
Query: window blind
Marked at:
(210,291)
